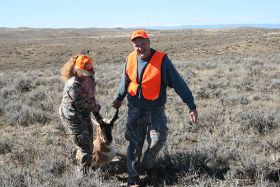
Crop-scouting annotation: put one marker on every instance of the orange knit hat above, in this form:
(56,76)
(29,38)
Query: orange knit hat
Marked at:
(138,33)
(83,62)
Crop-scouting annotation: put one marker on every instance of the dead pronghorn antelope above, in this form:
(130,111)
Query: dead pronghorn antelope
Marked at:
(103,151)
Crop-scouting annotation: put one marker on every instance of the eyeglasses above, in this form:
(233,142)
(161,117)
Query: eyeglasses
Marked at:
(140,43)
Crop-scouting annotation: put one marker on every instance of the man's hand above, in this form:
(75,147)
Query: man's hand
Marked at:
(193,115)
(117,104)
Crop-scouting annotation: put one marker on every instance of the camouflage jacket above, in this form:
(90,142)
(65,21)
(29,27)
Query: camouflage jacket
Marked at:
(79,97)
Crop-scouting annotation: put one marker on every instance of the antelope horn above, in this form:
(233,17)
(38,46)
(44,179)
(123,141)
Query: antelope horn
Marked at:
(98,118)
(116,116)
(95,122)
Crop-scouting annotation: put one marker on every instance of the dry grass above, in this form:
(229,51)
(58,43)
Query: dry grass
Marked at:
(234,76)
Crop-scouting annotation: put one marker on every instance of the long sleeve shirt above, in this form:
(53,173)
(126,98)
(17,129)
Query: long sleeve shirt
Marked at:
(79,97)
(170,78)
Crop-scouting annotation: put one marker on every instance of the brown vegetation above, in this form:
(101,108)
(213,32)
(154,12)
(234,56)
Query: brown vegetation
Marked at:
(234,75)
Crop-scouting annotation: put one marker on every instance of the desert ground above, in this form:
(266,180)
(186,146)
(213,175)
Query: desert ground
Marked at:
(234,75)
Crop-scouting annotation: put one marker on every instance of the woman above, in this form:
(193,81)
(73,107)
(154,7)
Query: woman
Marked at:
(77,103)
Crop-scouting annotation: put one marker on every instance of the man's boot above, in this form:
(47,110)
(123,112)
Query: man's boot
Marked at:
(133,182)
(153,177)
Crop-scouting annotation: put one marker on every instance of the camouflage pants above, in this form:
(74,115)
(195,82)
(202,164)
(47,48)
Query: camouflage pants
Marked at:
(80,130)
(142,124)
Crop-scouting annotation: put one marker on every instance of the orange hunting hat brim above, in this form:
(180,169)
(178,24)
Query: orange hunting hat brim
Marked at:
(83,62)
(138,34)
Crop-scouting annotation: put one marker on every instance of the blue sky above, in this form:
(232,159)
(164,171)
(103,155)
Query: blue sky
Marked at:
(129,13)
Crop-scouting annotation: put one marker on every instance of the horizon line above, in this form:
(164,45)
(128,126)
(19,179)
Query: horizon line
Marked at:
(156,26)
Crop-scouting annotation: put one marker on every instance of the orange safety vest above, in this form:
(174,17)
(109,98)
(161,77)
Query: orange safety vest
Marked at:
(151,80)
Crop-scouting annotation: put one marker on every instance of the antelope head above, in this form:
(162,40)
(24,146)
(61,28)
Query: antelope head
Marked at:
(104,128)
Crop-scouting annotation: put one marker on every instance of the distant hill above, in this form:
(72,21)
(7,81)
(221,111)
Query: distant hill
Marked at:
(51,33)
(47,33)
(120,29)
(270,26)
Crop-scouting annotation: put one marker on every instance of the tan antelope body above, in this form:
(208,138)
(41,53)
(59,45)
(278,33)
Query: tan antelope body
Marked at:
(103,151)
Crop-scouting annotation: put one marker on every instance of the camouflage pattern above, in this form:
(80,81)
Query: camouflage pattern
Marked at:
(142,123)
(79,97)
(81,134)
(77,103)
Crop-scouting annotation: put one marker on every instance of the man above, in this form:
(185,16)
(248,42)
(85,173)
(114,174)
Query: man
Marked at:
(146,75)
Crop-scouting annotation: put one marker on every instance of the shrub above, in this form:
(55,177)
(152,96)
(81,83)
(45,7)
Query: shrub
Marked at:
(23,85)
(5,146)
(262,121)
